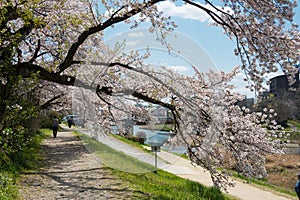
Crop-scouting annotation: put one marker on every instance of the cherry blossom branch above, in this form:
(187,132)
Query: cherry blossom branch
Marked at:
(27,69)
(92,11)
(212,14)
(35,54)
(126,66)
(95,29)
(51,101)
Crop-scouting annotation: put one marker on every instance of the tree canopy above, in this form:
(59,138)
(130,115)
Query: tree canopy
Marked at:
(62,42)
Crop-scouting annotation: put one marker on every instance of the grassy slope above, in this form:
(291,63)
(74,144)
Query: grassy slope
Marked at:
(149,185)
(27,159)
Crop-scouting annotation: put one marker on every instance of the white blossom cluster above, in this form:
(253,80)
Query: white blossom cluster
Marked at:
(7,132)
(16,106)
(266,37)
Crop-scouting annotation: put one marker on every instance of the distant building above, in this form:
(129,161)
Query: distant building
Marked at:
(280,85)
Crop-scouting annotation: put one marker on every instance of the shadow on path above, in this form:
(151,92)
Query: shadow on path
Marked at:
(71,172)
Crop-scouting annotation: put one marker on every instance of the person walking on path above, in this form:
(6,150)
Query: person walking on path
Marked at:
(55,126)
(69,121)
(297,186)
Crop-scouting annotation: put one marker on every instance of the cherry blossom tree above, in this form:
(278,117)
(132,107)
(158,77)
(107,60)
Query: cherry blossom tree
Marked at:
(62,42)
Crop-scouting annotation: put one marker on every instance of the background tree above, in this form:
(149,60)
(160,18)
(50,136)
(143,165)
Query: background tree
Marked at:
(285,107)
(62,42)
(285,104)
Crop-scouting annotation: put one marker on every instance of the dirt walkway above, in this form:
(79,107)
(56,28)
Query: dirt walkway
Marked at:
(71,172)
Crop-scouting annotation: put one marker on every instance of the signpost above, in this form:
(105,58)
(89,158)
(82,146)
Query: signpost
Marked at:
(155,143)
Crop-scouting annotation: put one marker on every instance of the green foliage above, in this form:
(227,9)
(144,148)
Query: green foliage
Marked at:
(18,103)
(285,105)
(45,118)
(18,111)
(13,140)
(25,159)
(8,190)
(140,140)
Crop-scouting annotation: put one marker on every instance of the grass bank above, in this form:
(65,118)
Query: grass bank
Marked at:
(281,170)
(147,184)
(164,185)
(26,159)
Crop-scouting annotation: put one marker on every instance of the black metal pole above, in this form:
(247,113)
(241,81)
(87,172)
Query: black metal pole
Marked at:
(155,160)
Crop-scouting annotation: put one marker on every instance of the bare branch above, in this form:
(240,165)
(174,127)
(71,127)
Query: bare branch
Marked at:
(50,102)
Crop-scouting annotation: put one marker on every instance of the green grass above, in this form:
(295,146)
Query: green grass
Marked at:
(294,136)
(132,143)
(27,159)
(8,189)
(146,184)
(164,185)
(161,127)
(295,123)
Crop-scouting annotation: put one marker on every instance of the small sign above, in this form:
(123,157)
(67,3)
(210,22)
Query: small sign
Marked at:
(155,148)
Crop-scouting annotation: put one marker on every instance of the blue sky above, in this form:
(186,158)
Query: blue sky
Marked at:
(211,48)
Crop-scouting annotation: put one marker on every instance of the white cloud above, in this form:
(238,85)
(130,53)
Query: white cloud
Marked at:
(187,11)
(178,68)
(136,34)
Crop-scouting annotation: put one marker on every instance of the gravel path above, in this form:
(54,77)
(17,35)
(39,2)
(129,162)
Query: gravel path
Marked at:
(71,172)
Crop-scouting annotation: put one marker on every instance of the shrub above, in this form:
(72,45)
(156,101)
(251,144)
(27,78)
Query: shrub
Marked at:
(13,162)
(135,139)
(8,189)
(45,118)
